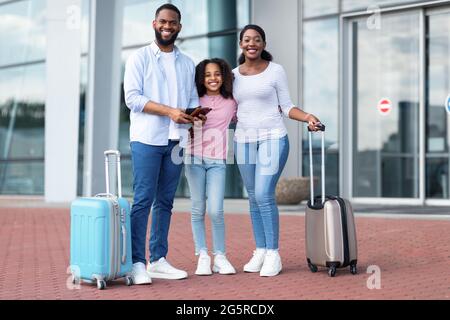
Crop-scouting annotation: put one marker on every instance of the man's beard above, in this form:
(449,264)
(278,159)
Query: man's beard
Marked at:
(163,42)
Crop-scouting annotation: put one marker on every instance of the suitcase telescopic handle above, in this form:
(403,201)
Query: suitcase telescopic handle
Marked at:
(119,174)
(321,128)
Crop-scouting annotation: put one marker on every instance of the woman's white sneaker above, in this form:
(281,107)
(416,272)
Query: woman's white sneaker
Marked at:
(272,264)
(222,265)
(256,262)
(139,274)
(203,265)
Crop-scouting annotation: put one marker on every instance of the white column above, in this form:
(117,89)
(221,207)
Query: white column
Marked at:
(103,93)
(280,21)
(62,99)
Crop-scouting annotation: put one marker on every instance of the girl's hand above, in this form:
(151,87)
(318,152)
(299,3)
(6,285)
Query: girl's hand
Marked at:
(202,118)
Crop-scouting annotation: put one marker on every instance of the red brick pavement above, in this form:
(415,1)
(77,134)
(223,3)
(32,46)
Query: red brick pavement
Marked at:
(413,255)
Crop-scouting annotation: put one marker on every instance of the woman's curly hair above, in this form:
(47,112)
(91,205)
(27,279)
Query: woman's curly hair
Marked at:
(226,90)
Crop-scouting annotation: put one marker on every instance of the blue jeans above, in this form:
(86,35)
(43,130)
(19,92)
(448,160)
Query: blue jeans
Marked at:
(156,179)
(260,164)
(206,179)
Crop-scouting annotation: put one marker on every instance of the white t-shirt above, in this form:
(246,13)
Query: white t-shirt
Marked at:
(168,62)
(258,97)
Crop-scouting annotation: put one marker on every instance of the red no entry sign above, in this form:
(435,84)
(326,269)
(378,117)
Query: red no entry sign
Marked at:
(385,106)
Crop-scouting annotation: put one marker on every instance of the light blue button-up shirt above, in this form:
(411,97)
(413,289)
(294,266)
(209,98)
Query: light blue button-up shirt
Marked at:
(145,81)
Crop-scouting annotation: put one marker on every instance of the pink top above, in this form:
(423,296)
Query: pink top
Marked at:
(211,141)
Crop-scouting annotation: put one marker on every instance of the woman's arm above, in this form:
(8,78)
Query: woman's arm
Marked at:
(300,115)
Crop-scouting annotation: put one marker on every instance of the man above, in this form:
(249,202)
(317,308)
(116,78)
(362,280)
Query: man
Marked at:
(159,86)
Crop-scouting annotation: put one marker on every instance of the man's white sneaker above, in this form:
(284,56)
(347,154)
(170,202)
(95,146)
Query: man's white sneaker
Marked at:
(162,269)
(203,265)
(272,264)
(256,262)
(139,274)
(222,265)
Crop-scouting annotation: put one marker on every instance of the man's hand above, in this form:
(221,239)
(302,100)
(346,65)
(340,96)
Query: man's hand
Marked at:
(180,117)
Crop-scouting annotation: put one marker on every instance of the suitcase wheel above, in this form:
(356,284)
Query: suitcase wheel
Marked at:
(312,267)
(353,269)
(332,271)
(129,281)
(101,284)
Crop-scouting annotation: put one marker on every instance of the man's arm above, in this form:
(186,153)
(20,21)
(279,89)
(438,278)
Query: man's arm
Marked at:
(176,115)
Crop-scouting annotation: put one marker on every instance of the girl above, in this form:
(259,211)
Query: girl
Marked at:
(261,143)
(205,163)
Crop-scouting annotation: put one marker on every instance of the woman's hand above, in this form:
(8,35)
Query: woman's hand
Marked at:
(313,122)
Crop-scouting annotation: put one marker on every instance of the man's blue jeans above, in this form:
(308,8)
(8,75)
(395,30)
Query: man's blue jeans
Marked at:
(156,178)
(260,164)
(206,179)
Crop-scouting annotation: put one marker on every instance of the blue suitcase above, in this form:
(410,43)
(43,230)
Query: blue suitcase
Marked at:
(100,235)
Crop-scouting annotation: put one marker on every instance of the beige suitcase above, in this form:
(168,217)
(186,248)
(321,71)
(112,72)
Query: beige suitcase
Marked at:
(330,227)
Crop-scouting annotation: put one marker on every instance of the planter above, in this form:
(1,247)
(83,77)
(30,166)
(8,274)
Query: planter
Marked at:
(291,191)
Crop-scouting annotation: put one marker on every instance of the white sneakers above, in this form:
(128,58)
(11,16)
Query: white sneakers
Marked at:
(267,263)
(221,265)
(139,274)
(161,269)
(256,262)
(204,265)
(272,264)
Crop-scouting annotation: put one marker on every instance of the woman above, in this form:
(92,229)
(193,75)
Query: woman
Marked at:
(261,143)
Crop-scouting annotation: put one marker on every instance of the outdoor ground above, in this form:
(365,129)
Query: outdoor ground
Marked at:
(400,257)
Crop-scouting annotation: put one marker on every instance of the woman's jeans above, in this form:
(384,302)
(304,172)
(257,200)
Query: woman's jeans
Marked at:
(206,179)
(156,178)
(261,164)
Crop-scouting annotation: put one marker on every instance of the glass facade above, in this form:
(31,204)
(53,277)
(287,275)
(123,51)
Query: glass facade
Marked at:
(386,159)
(401,57)
(22,97)
(437,94)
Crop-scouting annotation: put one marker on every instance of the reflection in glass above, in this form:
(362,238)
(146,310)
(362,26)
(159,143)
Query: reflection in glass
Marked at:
(314,8)
(194,16)
(386,148)
(137,21)
(22,177)
(22,119)
(320,94)
(23,34)
(349,5)
(438,89)
(243,12)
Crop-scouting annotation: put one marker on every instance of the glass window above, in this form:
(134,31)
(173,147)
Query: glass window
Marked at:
(349,5)
(224,47)
(196,49)
(22,98)
(437,93)
(320,93)
(84,26)
(386,151)
(22,131)
(243,13)
(194,16)
(22,177)
(314,8)
(137,21)
(23,34)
